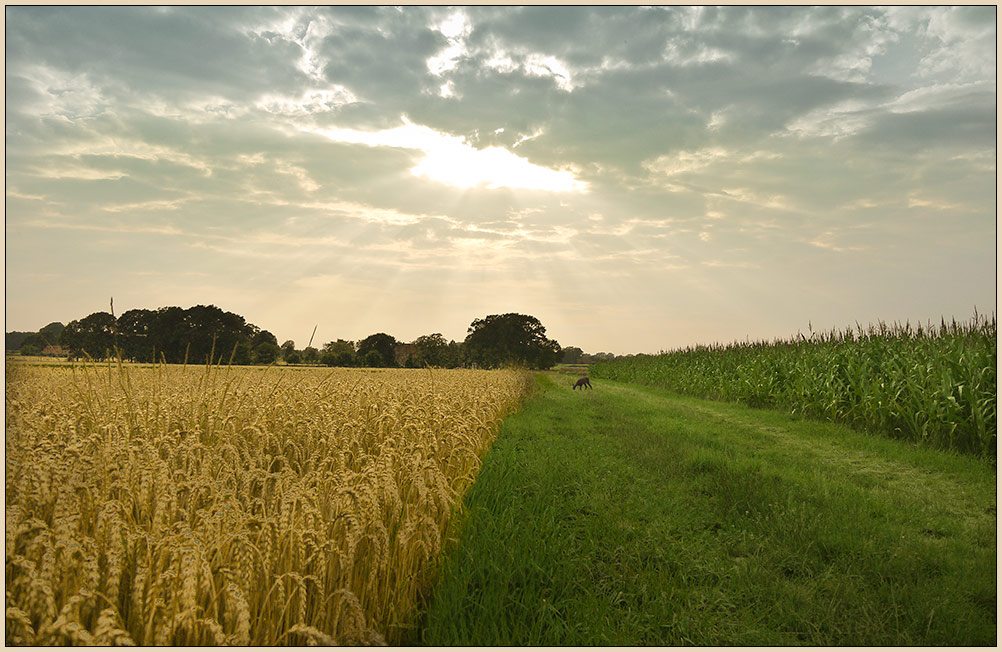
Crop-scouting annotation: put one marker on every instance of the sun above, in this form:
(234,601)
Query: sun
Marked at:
(452,161)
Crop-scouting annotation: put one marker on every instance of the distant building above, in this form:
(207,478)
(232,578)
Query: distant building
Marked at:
(55,351)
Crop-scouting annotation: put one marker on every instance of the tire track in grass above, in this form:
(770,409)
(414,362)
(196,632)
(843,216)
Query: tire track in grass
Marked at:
(934,483)
(867,467)
(627,516)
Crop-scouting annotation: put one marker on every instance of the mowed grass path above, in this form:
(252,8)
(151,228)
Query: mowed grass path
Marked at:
(629,516)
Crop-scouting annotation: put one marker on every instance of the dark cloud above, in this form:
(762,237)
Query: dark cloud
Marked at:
(381,62)
(959,127)
(186,52)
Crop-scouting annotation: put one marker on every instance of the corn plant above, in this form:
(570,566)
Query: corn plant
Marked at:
(933,384)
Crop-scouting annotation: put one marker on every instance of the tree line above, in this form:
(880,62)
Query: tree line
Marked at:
(200,333)
(170,334)
(494,341)
(33,343)
(574,355)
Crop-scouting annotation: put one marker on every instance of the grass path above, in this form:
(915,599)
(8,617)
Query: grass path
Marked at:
(628,516)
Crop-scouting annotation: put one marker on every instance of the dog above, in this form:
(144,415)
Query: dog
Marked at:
(582,383)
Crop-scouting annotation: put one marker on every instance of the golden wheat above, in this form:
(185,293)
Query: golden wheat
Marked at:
(206,506)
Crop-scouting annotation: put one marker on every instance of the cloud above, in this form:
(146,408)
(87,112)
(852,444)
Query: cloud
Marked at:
(963,42)
(107,228)
(735,264)
(191,52)
(309,102)
(825,241)
(456,28)
(686,161)
(12,192)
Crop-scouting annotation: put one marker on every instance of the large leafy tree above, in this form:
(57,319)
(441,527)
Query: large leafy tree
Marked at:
(33,344)
(510,339)
(193,334)
(51,332)
(340,353)
(432,351)
(14,339)
(168,334)
(384,345)
(93,335)
(571,355)
(173,335)
(289,352)
(264,347)
(134,328)
(217,332)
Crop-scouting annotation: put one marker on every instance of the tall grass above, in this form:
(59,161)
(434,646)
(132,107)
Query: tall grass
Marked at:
(933,384)
(187,506)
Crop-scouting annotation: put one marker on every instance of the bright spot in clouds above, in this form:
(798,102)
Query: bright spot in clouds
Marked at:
(455,30)
(453,161)
(541,66)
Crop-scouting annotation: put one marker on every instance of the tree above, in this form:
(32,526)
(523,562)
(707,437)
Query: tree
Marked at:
(168,334)
(571,355)
(177,335)
(14,339)
(211,330)
(289,352)
(51,332)
(33,344)
(134,339)
(457,353)
(382,344)
(431,351)
(262,337)
(264,346)
(265,353)
(510,339)
(93,335)
(340,353)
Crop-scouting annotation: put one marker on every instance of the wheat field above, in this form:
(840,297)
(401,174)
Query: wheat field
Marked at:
(176,505)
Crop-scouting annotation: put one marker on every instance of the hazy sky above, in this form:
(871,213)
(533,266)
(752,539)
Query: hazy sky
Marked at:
(635,178)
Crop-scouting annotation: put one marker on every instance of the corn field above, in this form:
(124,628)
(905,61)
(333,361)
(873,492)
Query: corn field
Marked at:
(935,385)
(175,505)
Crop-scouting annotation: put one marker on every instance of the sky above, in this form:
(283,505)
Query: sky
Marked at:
(638,179)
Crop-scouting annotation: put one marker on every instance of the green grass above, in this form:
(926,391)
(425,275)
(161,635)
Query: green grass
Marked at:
(629,516)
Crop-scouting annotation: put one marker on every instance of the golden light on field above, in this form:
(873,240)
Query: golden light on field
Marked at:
(207,506)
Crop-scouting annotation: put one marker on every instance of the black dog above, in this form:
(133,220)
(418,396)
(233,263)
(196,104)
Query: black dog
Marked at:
(582,383)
